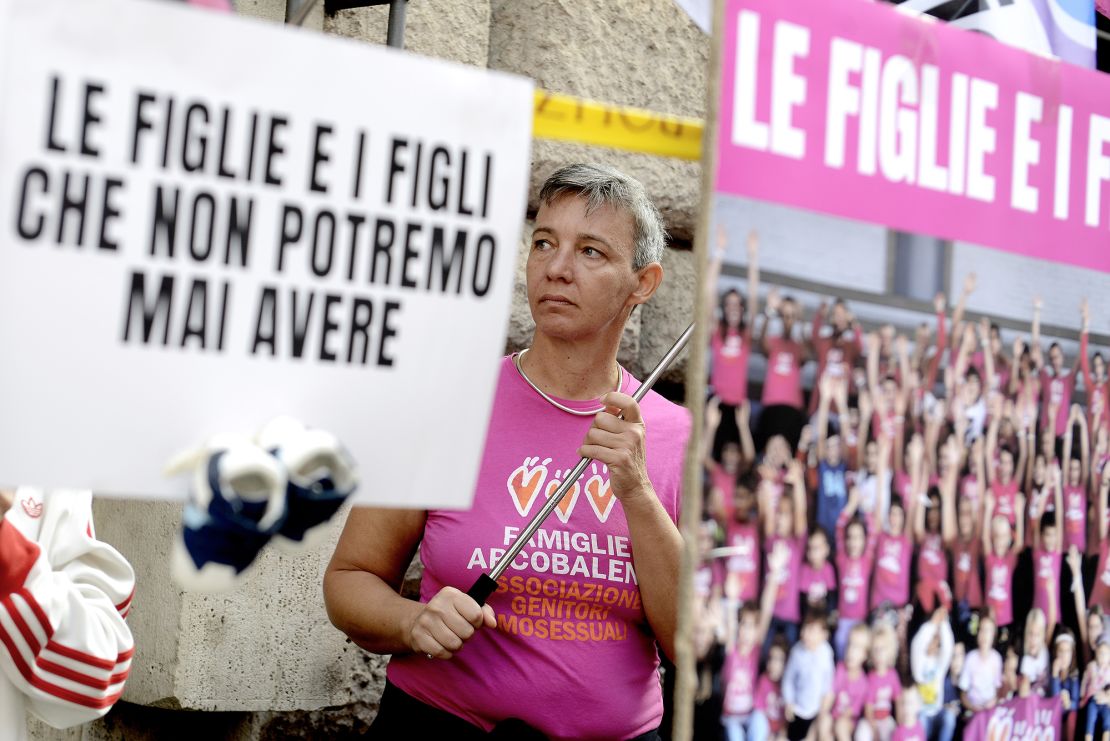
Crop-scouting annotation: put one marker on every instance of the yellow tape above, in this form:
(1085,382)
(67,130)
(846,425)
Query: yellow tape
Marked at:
(566,118)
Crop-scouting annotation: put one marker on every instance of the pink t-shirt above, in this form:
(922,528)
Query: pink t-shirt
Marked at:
(739,674)
(729,376)
(1000,576)
(932,559)
(892,570)
(967,585)
(1005,500)
(1075,518)
(855,573)
(882,691)
(849,694)
(815,584)
(783,382)
(1056,390)
(768,698)
(708,575)
(725,482)
(915,732)
(1100,590)
(786,600)
(743,567)
(1046,580)
(568,609)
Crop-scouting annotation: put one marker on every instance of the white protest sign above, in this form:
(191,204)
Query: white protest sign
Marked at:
(206,222)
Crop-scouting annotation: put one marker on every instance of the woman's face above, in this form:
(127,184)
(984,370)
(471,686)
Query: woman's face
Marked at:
(1075,470)
(743,500)
(733,309)
(1099,367)
(579,274)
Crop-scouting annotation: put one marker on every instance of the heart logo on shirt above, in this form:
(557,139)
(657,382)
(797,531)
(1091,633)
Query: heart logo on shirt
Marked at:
(524,484)
(32,508)
(566,506)
(600,497)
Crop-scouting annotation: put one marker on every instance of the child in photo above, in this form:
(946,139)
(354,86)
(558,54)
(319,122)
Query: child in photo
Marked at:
(1063,680)
(930,659)
(844,708)
(786,531)
(981,677)
(769,717)
(909,727)
(1096,691)
(883,688)
(741,668)
(855,551)
(1002,549)
(816,577)
(809,676)
(1034,665)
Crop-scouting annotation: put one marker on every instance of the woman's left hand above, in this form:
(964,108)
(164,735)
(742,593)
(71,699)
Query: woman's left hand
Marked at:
(619,444)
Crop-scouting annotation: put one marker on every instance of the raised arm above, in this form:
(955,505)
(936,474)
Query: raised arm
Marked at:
(773,303)
(942,343)
(948,486)
(1084,360)
(753,273)
(825,386)
(1075,563)
(1084,443)
(988,355)
(776,568)
(713,276)
(1019,512)
(1058,499)
(744,424)
(1038,354)
(988,514)
(961,304)
(796,479)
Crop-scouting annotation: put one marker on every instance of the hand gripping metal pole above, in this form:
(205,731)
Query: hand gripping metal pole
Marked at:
(487,584)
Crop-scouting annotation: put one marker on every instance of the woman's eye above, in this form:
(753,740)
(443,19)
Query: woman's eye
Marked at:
(540,244)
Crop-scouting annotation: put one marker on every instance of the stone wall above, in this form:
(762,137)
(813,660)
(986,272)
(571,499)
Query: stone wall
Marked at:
(264,662)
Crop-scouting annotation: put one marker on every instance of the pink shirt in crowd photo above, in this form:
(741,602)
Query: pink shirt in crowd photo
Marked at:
(783,384)
(729,376)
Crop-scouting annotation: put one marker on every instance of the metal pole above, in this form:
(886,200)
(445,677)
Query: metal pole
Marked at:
(395,36)
(487,584)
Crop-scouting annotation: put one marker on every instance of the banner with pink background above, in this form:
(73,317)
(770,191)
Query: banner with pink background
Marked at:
(1021,719)
(853,108)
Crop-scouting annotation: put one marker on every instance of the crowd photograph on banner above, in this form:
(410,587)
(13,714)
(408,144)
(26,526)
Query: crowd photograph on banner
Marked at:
(707,370)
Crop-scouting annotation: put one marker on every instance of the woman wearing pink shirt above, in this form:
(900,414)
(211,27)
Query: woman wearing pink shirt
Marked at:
(934,530)
(459,669)
(786,532)
(1048,549)
(731,337)
(783,408)
(1057,382)
(856,537)
(1001,548)
(1096,384)
(1075,482)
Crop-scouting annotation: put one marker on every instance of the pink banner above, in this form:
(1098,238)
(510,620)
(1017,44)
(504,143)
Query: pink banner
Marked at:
(1018,720)
(853,108)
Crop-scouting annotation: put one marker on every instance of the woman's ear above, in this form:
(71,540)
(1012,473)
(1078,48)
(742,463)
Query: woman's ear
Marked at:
(648,279)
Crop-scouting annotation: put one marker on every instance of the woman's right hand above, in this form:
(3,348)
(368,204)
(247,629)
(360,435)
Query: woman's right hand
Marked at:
(447,621)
